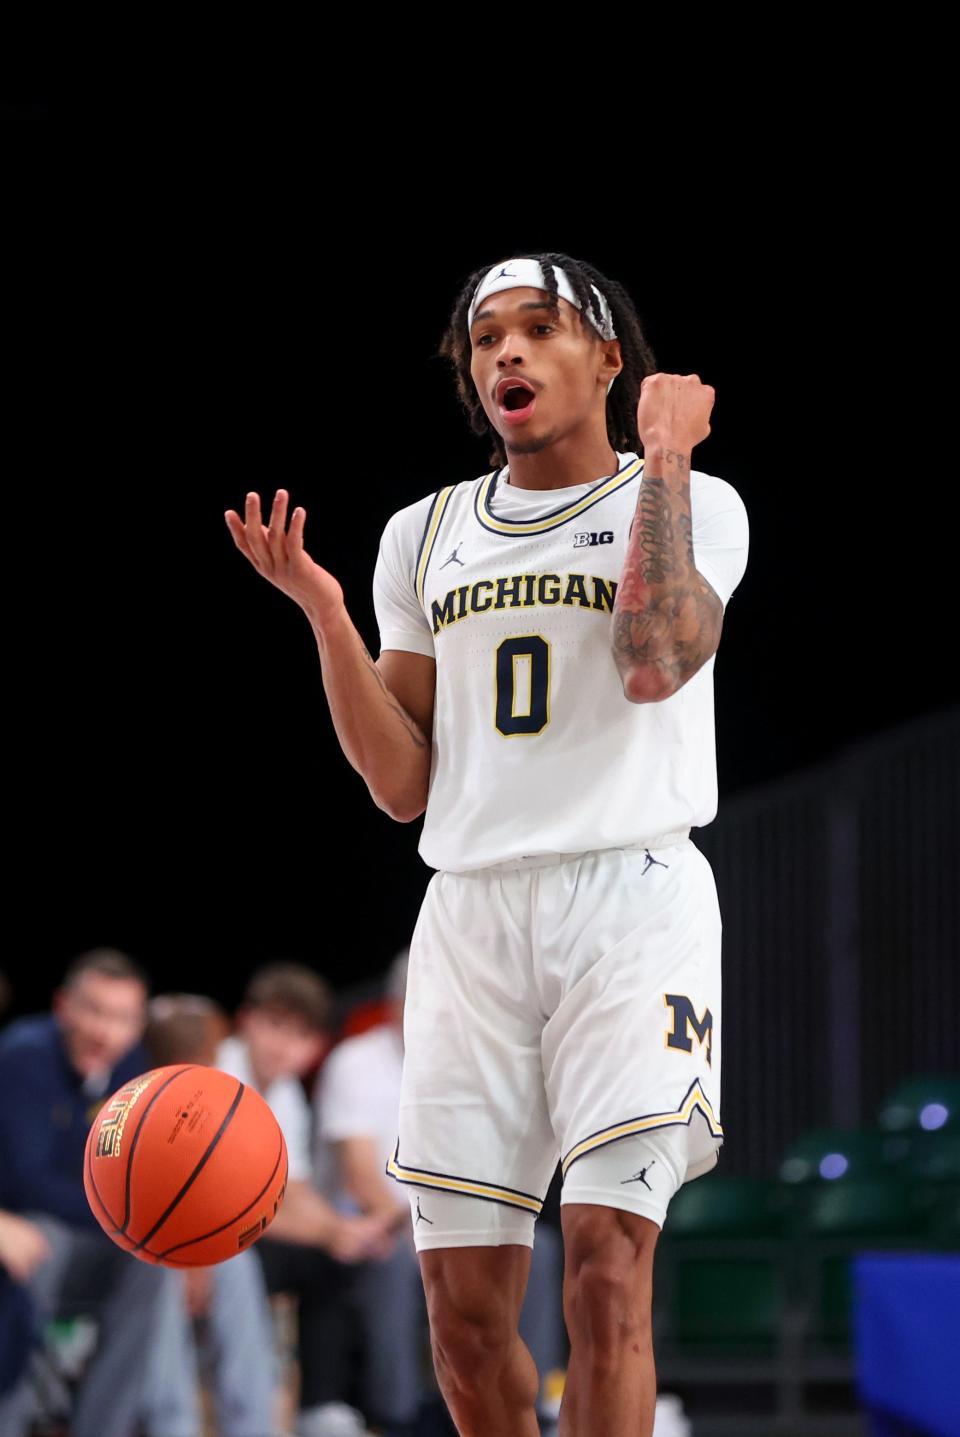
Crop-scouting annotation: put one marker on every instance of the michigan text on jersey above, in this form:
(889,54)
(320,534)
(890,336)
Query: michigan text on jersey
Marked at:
(524,591)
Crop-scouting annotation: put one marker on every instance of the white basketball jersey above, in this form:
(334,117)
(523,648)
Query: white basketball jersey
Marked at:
(535,748)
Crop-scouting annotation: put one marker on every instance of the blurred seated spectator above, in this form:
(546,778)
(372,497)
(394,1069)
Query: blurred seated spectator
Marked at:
(310,1249)
(185,1028)
(357,1104)
(22,1248)
(228,1303)
(62,1067)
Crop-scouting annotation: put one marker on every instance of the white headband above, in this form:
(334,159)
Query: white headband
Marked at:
(526,273)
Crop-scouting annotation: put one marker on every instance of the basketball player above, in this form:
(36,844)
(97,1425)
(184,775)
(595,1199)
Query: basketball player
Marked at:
(544,693)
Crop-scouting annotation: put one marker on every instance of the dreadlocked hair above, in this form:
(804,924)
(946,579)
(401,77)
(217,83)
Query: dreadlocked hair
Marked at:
(638,359)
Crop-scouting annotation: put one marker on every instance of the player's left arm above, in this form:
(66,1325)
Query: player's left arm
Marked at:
(667,618)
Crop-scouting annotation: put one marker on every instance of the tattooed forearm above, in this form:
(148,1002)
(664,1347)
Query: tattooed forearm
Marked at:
(667,618)
(660,645)
(656,531)
(686,530)
(391,703)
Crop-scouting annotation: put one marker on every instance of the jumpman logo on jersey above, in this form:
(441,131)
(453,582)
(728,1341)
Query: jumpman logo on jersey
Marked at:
(421,1216)
(651,861)
(453,559)
(641,1176)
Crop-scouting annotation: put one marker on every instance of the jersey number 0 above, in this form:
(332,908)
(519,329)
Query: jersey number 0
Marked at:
(523,685)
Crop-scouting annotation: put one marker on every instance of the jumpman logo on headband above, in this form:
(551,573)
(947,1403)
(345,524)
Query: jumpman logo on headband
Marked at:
(505,274)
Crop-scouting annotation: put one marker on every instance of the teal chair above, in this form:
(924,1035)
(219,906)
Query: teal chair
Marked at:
(723,1207)
(930,1104)
(841,1219)
(944,1223)
(826,1154)
(721,1276)
(935,1157)
(934,1169)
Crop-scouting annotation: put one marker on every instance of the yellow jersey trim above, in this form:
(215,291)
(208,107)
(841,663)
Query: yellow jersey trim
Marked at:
(489,520)
(420,1177)
(696,1100)
(430,537)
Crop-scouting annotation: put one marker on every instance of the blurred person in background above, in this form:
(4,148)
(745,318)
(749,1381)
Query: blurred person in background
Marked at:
(310,1250)
(357,1105)
(229,1301)
(23,1248)
(62,1067)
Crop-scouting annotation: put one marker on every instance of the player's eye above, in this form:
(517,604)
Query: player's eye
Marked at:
(481,343)
(547,327)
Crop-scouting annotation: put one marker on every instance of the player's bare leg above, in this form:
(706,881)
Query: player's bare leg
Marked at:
(607,1295)
(486,1374)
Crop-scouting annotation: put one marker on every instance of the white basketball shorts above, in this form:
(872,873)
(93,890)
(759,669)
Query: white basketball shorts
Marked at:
(560,1009)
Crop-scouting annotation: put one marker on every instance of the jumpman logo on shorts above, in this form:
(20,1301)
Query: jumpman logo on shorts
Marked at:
(453,559)
(641,1176)
(421,1217)
(651,861)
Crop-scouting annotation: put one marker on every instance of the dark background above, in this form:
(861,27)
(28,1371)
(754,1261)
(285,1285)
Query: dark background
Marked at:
(219,298)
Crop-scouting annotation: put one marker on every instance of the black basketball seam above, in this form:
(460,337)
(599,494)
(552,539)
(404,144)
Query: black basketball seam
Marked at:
(93,1184)
(171,1262)
(161,1256)
(196,1172)
(136,1137)
(178,1262)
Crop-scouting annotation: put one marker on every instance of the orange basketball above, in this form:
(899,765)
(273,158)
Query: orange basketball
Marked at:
(185,1166)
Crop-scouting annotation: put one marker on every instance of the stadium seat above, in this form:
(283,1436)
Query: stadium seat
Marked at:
(826,1154)
(722,1268)
(842,1219)
(929,1104)
(934,1167)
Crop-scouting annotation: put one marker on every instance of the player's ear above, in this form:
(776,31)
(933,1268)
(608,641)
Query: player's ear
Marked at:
(611,361)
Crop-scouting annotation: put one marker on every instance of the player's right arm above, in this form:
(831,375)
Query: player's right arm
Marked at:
(382,712)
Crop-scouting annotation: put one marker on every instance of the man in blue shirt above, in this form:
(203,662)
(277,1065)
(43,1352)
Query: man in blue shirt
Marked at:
(22,1248)
(55,1072)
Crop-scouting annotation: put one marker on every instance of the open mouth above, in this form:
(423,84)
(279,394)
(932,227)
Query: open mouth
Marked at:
(516,401)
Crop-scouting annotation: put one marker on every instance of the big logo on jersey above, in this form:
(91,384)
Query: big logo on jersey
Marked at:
(524,591)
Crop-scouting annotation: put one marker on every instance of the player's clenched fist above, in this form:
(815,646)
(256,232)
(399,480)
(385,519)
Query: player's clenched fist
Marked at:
(277,553)
(674,411)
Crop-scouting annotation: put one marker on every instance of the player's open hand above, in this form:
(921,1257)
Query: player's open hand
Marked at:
(674,411)
(276,551)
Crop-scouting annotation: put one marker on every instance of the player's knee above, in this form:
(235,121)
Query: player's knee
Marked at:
(608,1305)
(471,1332)
(609,1286)
(469,1348)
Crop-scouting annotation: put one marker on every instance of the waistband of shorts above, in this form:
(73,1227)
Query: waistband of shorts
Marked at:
(554,860)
